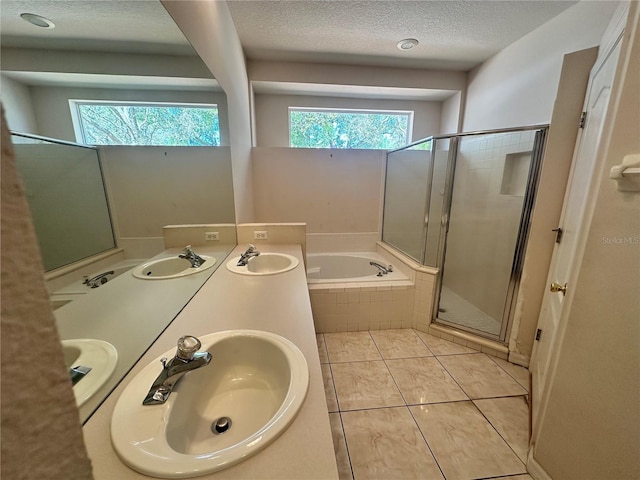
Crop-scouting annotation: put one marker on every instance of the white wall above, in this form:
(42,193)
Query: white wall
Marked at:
(16,99)
(517,86)
(210,29)
(451,116)
(332,190)
(51,105)
(150,187)
(272,114)
(326,74)
(69,61)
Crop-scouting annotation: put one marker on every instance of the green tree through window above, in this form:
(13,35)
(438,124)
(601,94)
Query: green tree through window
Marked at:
(157,124)
(348,129)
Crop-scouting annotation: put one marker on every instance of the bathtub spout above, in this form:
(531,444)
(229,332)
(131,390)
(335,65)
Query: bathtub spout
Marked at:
(382,270)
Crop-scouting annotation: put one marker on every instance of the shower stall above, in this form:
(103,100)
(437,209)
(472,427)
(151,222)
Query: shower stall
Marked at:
(462,204)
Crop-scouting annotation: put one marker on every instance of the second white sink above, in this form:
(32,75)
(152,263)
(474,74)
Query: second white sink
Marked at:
(100,356)
(171,267)
(216,415)
(264,264)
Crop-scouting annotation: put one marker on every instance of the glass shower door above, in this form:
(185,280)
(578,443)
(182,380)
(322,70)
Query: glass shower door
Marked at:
(488,199)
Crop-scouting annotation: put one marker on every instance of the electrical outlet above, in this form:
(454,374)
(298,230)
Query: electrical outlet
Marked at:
(260,235)
(212,236)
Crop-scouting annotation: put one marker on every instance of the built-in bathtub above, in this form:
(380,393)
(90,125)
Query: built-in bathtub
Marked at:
(348,295)
(348,267)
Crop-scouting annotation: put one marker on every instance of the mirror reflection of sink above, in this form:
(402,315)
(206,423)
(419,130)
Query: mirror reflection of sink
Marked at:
(264,264)
(251,391)
(100,356)
(171,267)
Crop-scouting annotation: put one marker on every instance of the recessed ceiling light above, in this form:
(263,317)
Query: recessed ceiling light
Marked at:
(37,20)
(407,44)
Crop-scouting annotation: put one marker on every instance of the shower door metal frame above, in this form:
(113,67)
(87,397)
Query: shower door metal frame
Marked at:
(523,229)
(427,200)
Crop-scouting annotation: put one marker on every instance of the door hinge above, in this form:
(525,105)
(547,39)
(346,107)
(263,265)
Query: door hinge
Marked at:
(558,234)
(583,120)
(538,334)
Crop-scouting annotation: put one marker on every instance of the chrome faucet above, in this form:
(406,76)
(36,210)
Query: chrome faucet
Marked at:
(98,280)
(187,358)
(244,258)
(188,254)
(382,270)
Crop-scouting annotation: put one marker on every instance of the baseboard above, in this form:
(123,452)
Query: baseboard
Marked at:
(519,359)
(535,469)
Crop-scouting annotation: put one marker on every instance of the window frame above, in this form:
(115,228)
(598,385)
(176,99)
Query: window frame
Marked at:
(371,111)
(78,126)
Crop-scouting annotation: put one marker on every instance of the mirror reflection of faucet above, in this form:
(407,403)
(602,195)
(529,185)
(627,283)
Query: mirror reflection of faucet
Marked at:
(188,254)
(247,255)
(98,280)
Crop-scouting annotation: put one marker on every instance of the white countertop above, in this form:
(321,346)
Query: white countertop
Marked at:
(274,303)
(130,313)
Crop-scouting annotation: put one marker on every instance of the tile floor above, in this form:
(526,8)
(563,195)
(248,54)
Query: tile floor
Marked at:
(407,405)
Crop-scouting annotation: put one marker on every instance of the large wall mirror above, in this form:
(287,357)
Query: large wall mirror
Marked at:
(65,190)
(110,195)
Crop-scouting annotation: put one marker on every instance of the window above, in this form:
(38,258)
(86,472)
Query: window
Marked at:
(126,123)
(337,128)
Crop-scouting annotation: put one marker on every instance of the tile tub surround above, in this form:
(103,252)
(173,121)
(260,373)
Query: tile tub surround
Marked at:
(342,307)
(417,413)
(275,303)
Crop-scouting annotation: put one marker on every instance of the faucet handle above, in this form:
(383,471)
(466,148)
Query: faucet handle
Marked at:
(187,347)
(251,247)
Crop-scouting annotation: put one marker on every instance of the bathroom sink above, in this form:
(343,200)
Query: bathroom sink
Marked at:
(100,356)
(171,267)
(217,415)
(264,264)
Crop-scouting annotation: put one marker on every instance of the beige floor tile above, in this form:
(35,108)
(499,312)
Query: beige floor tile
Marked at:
(520,374)
(340,447)
(424,380)
(385,444)
(329,390)
(464,443)
(351,347)
(365,385)
(400,343)
(480,377)
(440,346)
(510,417)
(322,348)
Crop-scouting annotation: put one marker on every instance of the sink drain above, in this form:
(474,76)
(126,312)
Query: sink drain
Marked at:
(221,425)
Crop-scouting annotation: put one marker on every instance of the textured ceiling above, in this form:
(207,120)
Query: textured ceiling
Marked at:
(455,35)
(135,26)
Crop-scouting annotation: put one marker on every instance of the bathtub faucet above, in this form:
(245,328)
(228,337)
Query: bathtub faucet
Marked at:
(187,358)
(244,258)
(382,270)
(188,254)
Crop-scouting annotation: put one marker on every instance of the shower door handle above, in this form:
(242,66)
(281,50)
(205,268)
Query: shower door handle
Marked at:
(556,287)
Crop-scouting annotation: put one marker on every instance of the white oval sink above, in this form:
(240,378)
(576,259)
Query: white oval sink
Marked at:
(264,264)
(257,379)
(171,267)
(100,356)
